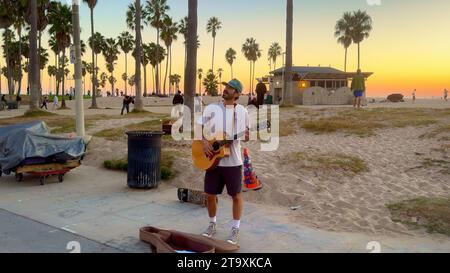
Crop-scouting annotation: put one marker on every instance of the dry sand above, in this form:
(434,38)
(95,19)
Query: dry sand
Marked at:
(326,199)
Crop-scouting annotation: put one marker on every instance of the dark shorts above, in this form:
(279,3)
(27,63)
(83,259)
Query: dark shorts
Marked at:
(358,93)
(217,179)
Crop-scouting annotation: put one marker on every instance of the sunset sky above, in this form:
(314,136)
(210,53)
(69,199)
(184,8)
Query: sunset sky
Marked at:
(408,48)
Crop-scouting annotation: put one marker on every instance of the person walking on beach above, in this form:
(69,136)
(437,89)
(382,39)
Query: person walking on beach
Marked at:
(414,96)
(178,98)
(44,103)
(126,104)
(55,102)
(229,170)
(198,103)
(445,94)
(261,91)
(358,87)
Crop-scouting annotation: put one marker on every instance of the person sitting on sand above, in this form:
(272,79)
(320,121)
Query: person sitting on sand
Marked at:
(178,99)
(358,87)
(126,104)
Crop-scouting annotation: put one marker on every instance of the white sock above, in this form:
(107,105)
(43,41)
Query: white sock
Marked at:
(236,223)
(213,219)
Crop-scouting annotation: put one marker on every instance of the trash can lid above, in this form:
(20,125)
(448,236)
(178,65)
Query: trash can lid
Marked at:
(144,133)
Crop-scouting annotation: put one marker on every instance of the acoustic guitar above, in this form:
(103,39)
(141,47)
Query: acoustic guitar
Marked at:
(220,145)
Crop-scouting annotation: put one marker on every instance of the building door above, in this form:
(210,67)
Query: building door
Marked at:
(277,96)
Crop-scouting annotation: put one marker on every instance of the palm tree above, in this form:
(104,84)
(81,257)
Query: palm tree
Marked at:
(252,52)
(343,31)
(131,16)
(212,27)
(139,105)
(157,10)
(210,82)
(191,62)
(84,72)
(6,20)
(174,81)
(91,4)
(60,18)
(34,68)
(230,56)
(156,56)
(19,24)
(52,70)
(274,51)
(96,43)
(219,74)
(111,52)
(126,43)
(287,96)
(168,35)
(200,76)
(182,29)
(362,26)
(145,59)
(131,82)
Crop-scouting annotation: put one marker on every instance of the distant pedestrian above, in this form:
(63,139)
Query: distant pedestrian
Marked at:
(445,94)
(414,96)
(18,100)
(178,98)
(55,102)
(358,87)
(126,104)
(44,103)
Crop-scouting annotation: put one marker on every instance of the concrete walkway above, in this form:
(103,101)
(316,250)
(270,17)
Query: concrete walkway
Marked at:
(97,204)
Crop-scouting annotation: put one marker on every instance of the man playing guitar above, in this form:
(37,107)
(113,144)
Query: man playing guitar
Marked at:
(235,120)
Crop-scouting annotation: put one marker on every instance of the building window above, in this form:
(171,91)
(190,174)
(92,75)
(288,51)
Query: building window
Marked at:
(329,84)
(321,84)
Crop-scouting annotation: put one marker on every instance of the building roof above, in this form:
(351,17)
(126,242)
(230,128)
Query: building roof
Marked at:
(318,72)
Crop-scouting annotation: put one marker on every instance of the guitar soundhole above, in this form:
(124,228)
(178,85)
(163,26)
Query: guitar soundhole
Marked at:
(216,146)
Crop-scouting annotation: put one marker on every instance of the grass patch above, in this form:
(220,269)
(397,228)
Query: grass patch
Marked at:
(430,213)
(167,160)
(115,134)
(439,131)
(327,162)
(365,122)
(37,113)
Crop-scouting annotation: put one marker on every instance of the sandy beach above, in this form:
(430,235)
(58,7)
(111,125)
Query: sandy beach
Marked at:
(336,181)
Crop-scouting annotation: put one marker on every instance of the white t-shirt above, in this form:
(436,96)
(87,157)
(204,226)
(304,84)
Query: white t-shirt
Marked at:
(55,99)
(220,119)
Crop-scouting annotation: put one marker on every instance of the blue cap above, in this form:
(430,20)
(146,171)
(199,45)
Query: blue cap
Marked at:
(235,84)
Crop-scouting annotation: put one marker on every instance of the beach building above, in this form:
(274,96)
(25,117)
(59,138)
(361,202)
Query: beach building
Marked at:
(315,85)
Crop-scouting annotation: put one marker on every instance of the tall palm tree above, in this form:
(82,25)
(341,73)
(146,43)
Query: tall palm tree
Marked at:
(168,35)
(34,68)
(126,43)
(131,16)
(51,70)
(96,43)
(252,52)
(91,4)
(212,27)
(191,62)
(230,56)
(200,77)
(182,29)
(287,96)
(274,51)
(145,60)
(139,105)
(362,26)
(157,11)
(110,52)
(156,56)
(60,18)
(343,33)
(174,81)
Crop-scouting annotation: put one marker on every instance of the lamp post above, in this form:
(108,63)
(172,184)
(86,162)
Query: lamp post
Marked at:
(79,109)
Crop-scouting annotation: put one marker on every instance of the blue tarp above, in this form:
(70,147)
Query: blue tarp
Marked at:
(33,140)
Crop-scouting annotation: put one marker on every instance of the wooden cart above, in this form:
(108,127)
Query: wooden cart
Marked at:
(45,170)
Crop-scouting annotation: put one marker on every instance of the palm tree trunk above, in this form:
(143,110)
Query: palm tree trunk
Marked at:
(359,56)
(94,72)
(58,78)
(170,67)
(167,68)
(20,61)
(153,79)
(145,80)
(250,79)
(345,61)
(33,69)
(9,68)
(63,100)
(126,73)
(287,96)
(191,63)
(231,66)
(214,47)
(139,106)
(253,78)
(39,67)
(157,66)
